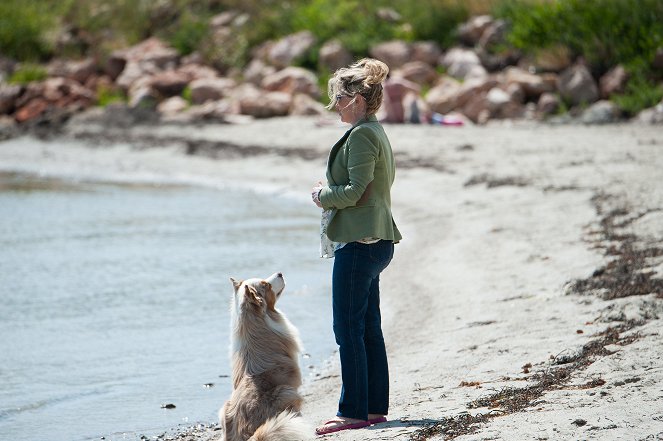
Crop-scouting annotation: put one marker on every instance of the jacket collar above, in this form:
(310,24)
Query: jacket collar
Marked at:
(369,118)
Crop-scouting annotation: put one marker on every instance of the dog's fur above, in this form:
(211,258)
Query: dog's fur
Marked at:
(265,403)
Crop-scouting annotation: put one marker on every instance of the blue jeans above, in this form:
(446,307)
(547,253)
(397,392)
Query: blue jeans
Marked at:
(358,330)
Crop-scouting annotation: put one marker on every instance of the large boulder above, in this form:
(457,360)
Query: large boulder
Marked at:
(472,30)
(547,104)
(469,89)
(653,115)
(256,70)
(169,83)
(210,89)
(503,104)
(146,58)
(303,104)
(443,98)
(172,106)
(287,50)
(292,80)
(333,56)
(418,72)
(260,103)
(463,64)
(77,70)
(428,52)
(56,94)
(476,108)
(577,85)
(601,112)
(196,70)
(533,85)
(613,81)
(393,53)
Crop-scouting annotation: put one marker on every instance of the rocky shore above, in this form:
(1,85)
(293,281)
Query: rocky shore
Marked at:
(476,81)
(526,299)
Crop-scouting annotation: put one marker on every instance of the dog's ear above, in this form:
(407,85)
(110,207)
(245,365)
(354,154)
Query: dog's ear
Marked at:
(252,295)
(236,283)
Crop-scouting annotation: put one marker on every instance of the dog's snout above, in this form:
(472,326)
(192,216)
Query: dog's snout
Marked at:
(279,275)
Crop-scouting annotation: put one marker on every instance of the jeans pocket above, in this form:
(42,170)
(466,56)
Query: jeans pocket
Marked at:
(381,252)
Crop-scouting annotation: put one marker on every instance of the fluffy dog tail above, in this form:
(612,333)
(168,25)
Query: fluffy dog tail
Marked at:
(286,426)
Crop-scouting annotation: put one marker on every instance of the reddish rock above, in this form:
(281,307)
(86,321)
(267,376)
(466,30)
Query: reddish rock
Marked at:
(428,52)
(262,104)
(533,85)
(172,106)
(303,104)
(292,80)
(614,81)
(31,110)
(474,87)
(418,72)
(393,53)
(443,98)
(333,56)
(548,104)
(210,89)
(195,71)
(169,83)
(257,70)
(285,51)
(79,70)
(471,31)
(476,107)
(145,59)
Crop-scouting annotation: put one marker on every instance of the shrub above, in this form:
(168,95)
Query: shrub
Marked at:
(188,34)
(641,93)
(604,32)
(22,25)
(27,73)
(108,95)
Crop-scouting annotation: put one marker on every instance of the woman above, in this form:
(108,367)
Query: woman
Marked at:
(360,172)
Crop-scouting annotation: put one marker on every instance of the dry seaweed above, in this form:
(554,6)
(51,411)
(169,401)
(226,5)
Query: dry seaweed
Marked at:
(626,273)
(494,181)
(509,400)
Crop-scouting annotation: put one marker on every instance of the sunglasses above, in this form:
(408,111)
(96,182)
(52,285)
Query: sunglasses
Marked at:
(341,95)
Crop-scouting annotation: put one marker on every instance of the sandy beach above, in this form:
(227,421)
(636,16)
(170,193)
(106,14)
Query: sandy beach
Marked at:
(525,301)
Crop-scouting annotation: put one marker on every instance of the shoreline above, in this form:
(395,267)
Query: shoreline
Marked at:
(500,222)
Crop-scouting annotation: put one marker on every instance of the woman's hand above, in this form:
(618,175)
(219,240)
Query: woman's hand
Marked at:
(315,194)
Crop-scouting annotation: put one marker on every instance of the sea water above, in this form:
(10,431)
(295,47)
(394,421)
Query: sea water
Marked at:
(114,301)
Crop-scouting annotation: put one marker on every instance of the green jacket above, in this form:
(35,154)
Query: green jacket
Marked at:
(360,171)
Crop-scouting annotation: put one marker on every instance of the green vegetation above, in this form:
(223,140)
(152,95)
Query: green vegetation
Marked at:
(604,32)
(27,73)
(107,95)
(22,30)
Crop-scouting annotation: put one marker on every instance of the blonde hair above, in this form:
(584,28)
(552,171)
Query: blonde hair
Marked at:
(365,78)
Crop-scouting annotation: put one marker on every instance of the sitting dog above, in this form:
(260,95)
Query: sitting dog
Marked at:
(265,403)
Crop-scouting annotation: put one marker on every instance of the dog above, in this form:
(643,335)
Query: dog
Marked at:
(264,351)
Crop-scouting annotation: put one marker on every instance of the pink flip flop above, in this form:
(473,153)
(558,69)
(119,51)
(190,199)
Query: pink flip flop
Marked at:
(382,419)
(342,425)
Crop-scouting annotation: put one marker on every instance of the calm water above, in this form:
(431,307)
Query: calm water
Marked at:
(114,301)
